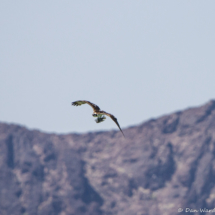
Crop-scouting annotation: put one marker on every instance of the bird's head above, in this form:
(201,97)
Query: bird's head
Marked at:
(94,115)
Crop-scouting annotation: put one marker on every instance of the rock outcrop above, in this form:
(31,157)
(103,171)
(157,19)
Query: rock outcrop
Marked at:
(163,164)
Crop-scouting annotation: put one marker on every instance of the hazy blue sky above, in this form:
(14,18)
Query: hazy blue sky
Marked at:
(135,59)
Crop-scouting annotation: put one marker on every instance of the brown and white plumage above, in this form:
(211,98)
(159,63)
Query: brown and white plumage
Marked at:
(98,113)
(81,102)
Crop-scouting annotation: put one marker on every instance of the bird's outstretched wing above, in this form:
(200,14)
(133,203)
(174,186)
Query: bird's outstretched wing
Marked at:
(113,118)
(81,102)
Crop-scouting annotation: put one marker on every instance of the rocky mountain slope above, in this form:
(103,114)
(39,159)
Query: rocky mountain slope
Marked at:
(163,164)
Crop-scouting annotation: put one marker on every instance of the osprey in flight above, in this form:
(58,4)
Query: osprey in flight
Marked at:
(97,112)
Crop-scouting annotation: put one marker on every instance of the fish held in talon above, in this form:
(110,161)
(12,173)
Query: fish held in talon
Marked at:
(100,119)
